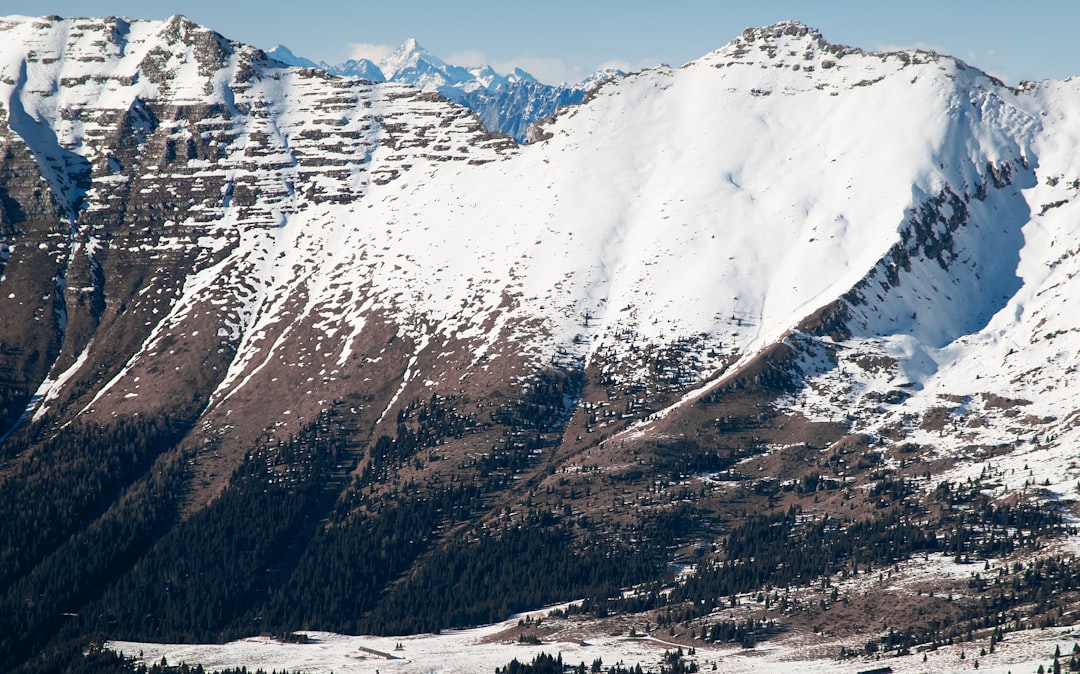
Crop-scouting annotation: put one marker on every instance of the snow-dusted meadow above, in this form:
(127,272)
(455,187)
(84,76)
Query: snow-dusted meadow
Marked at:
(474,651)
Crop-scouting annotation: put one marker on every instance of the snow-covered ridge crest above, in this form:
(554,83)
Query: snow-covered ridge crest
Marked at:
(789,42)
(794,45)
(788,32)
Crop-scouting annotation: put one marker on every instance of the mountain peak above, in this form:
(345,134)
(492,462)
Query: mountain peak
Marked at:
(410,55)
(179,24)
(282,50)
(802,47)
(781,29)
(285,55)
(521,75)
(411,62)
(411,51)
(791,43)
(791,34)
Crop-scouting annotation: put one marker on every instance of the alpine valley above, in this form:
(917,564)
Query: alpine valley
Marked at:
(767,358)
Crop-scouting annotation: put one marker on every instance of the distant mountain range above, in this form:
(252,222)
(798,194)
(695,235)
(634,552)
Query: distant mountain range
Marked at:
(507,103)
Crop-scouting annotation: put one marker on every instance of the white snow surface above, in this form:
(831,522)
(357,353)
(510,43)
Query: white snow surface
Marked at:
(681,203)
(724,201)
(474,650)
(1003,375)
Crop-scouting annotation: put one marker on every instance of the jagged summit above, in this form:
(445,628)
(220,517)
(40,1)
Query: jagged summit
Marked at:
(797,56)
(781,30)
(789,42)
(790,34)
(412,62)
(519,75)
(797,46)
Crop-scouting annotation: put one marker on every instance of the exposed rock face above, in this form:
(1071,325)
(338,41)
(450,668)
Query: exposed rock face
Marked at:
(197,147)
(784,275)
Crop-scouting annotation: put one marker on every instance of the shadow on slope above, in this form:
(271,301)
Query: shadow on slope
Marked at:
(954,267)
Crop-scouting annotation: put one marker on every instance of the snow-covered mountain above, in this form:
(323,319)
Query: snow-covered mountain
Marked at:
(508,103)
(788,277)
(284,54)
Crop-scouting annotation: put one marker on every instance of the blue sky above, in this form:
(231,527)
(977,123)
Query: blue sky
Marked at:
(561,39)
